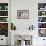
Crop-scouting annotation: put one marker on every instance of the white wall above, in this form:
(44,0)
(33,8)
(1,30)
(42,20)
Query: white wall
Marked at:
(23,24)
(32,6)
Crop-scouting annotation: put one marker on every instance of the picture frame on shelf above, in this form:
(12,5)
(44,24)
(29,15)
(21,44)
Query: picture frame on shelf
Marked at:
(22,14)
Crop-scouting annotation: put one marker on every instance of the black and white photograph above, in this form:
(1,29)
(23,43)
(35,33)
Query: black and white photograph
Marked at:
(22,14)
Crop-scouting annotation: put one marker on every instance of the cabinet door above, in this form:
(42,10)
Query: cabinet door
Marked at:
(41,41)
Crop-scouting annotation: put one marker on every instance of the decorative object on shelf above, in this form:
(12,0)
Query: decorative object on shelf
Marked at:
(41,25)
(3,13)
(42,32)
(22,14)
(31,27)
(41,6)
(6,7)
(13,27)
(4,26)
(3,19)
(4,29)
(41,19)
(41,13)
(0,7)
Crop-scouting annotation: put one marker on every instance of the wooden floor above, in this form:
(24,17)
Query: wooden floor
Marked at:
(3,45)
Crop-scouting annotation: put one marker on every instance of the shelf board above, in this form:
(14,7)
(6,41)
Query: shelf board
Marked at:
(41,28)
(41,22)
(42,16)
(3,10)
(3,16)
(41,10)
(3,22)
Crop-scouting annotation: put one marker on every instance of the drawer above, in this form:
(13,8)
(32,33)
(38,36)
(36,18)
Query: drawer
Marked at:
(3,41)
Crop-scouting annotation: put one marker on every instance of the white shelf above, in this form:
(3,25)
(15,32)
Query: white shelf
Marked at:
(3,10)
(3,16)
(41,28)
(3,22)
(42,16)
(41,10)
(41,22)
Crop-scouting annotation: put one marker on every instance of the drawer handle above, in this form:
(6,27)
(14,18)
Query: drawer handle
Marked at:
(43,39)
(1,39)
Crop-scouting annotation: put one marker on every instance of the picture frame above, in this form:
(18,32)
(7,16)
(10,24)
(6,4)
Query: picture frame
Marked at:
(22,14)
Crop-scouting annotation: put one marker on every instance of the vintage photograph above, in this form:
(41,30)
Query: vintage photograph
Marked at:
(22,14)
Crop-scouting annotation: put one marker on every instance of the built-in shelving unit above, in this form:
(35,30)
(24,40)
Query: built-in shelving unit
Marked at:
(42,19)
(4,19)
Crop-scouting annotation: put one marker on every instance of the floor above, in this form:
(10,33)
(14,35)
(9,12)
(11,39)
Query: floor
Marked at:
(3,45)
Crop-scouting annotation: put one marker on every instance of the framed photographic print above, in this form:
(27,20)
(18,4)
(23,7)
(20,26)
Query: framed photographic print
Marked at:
(22,14)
